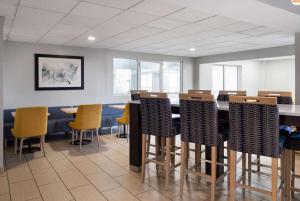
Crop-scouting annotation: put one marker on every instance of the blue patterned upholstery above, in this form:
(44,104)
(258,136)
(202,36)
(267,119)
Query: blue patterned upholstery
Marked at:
(284,100)
(157,117)
(293,141)
(254,129)
(199,122)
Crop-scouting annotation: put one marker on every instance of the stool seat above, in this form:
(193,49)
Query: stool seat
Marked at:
(293,141)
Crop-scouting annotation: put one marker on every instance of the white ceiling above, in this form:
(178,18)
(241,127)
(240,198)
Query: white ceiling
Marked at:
(152,26)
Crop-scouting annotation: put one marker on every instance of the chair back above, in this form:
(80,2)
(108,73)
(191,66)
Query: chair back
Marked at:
(156,115)
(125,114)
(88,117)
(196,91)
(135,94)
(198,119)
(30,122)
(283,97)
(254,125)
(224,95)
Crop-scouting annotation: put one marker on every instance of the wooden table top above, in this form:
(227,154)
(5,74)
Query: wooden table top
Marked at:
(69,110)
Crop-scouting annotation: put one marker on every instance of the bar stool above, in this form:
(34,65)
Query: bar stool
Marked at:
(135,94)
(254,129)
(292,145)
(199,91)
(199,116)
(224,95)
(283,97)
(157,121)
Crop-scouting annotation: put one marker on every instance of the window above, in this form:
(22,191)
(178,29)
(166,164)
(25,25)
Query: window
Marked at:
(224,77)
(124,76)
(131,74)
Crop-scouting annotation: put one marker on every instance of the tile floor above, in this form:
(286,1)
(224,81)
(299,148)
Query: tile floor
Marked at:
(93,174)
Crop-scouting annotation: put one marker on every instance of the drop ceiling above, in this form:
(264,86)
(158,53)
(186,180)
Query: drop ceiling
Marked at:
(168,27)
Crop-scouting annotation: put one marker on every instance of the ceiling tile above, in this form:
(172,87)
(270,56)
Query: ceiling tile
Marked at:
(94,11)
(259,31)
(62,33)
(189,15)
(133,18)
(164,23)
(216,22)
(24,37)
(240,26)
(122,4)
(29,21)
(63,6)
(7,10)
(156,7)
(13,2)
(77,20)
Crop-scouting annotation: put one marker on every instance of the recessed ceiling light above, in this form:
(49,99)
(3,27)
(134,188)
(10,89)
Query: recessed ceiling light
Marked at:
(91,38)
(296,2)
(192,49)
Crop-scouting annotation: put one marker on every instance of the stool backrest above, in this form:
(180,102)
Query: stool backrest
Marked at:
(254,125)
(135,94)
(224,95)
(156,114)
(196,91)
(198,119)
(283,97)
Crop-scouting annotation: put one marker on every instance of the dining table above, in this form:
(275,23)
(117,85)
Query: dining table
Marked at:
(288,114)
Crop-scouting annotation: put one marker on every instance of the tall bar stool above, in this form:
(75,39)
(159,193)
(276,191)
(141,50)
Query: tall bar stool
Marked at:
(157,121)
(224,95)
(136,94)
(199,91)
(254,129)
(283,97)
(199,125)
(292,145)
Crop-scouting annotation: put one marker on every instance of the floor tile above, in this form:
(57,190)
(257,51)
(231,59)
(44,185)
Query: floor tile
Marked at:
(103,181)
(73,179)
(133,184)
(62,165)
(24,190)
(18,174)
(45,176)
(55,192)
(5,197)
(118,194)
(152,195)
(113,169)
(38,164)
(87,167)
(87,193)
(4,189)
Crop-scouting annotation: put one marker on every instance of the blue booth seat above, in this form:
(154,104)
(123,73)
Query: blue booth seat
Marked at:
(58,121)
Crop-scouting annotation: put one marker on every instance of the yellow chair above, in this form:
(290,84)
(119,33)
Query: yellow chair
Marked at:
(124,120)
(88,118)
(30,122)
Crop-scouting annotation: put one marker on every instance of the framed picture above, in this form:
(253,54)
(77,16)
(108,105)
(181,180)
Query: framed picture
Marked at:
(59,72)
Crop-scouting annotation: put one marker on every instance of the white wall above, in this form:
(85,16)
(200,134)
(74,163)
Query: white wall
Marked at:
(19,75)
(1,93)
(255,75)
(297,68)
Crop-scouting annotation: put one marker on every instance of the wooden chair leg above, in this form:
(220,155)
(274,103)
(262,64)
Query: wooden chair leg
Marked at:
(92,138)
(282,173)
(274,178)
(288,167)
(258,163)
(182,165)
(173,149)
(42,145)
(249,169)
(197,157)
(157,150)
(167,162)
(73,136)
(232,175)
(16,145)
(143,157)
(80,141)
(244,171)
(98,137)
(21,147)
(293,157)
(148,144)
(228,166)
(213,172)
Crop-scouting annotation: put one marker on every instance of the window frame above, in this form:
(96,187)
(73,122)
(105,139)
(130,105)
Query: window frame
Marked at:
(223,74)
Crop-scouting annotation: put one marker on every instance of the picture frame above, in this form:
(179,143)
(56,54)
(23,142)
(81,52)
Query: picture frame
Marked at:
(59,72)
